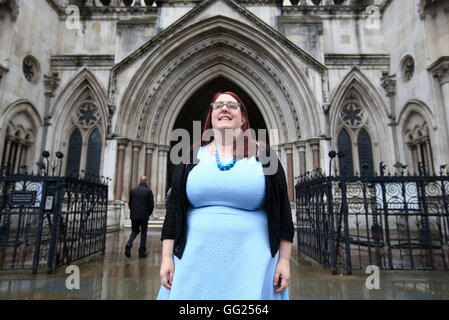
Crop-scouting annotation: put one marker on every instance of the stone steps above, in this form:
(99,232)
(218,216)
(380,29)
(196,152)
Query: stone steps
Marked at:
(153,224)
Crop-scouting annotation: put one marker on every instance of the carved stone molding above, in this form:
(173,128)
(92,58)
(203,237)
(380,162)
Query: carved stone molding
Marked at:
(163,148)
(388,82)
(234,61)
(69,61)
(440,69)
(51,83)
(288,147)
(136,145)
(115,13)
(179,3)
(122,142)
(31,69)
(170,31)
(378,61)
(314,143)
(326,10)
(150,147)
(301,145)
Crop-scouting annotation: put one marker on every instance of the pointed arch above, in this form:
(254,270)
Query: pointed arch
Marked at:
(271,77)
(81,87)
(18,106)
(373,101)
(417,126)
(20,124)
(357,87)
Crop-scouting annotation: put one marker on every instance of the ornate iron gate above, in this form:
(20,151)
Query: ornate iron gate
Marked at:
(396,222)
(49,221)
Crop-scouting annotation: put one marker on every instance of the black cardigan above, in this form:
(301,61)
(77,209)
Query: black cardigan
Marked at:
(277,205)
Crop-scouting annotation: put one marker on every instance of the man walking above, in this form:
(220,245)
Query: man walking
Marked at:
(141,205)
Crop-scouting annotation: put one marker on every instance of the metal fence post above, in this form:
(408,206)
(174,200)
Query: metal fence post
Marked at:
(37,247)
(330,208)
(387,227)
(344,212)
(56,212)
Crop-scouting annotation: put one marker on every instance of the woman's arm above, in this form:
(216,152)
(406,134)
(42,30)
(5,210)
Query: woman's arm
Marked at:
(285,250)
(167,265)
(283,266)
(287,232)
(169,226)
(168,233)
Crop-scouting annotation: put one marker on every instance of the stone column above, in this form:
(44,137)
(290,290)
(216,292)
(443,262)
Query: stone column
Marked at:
(135,163)
(301,145)
(162,173)
(315,144)
(289,150)
(51,83)
(7,152)
(440,70)
(430,169)
(12,154)
(17,159)
(122,143)
(388,82)
(149,159)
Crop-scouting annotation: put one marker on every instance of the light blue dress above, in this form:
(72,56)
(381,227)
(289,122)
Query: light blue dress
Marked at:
(227,253)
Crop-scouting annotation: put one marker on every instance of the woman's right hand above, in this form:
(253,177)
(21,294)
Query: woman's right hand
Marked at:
(167,272)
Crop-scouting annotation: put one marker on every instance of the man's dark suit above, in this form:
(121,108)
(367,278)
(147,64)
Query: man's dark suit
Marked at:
(141,205)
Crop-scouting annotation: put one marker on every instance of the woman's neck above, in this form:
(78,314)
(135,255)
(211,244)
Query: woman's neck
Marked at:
(225,150)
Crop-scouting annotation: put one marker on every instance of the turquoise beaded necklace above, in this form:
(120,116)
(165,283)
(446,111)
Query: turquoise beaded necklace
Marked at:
(221,166)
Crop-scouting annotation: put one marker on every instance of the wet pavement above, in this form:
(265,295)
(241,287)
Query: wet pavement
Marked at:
(114,276)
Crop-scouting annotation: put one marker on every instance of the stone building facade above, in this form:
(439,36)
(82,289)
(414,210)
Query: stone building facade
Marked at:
(106,82)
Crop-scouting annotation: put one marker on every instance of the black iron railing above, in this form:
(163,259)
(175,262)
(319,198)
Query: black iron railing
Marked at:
(47,221)
(396,222)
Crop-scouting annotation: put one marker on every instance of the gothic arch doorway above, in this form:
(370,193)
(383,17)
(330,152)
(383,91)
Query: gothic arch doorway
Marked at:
(196,107)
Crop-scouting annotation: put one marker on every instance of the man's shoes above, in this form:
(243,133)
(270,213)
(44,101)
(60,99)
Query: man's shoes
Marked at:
(128,251)
(142,253)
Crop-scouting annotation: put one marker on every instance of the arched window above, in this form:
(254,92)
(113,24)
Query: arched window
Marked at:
(86,137)
(345,146)
(417,139)
(365,153)
(94,153)
(74,153)
(19,142)
(353,139)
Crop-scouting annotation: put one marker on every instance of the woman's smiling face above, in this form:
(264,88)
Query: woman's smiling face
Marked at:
(225,118)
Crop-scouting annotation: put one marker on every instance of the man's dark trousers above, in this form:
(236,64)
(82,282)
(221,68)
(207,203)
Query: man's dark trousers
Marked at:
(141,205)
(139,226)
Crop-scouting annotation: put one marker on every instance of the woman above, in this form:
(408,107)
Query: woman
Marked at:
(228,228)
